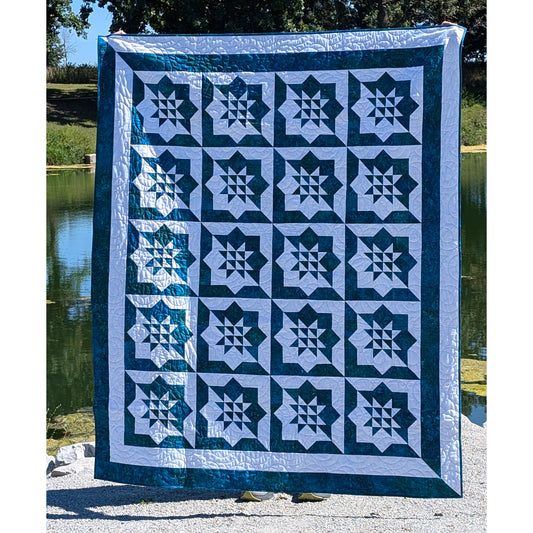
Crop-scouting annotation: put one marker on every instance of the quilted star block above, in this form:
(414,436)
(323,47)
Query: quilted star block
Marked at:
(232,336)
(311,109)
(163,258)
(306,262)
(385,107)
(384,415)
(162,331)
(159,410)
(383,263)
(234,260)
(166,109)
(383,339)
(236,185)
(165,183)
(237,109)
(307,338)
(383,185)
(309,185)
(232,412)
(309,417)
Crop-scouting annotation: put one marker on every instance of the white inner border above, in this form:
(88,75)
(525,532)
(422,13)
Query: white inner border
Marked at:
(451,37)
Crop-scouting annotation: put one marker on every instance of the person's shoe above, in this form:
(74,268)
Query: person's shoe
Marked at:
(253,496)
(313,496)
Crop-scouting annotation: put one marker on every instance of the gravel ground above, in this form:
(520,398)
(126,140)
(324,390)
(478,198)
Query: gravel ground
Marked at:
(78,503)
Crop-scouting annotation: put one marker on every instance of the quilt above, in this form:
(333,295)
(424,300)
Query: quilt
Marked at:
(275,274)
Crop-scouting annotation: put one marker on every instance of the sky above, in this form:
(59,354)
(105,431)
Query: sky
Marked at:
(85,50)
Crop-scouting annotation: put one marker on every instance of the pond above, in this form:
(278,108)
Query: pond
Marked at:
(69,237)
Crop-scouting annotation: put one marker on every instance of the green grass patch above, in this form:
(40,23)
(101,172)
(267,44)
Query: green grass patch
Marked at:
(63,430)
(69,103)
(69,90)
(474,376)
(68,144)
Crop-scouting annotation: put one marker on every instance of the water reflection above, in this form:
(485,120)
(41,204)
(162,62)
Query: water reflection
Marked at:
(69,234)
(474,261)
(474,407)
(68,246)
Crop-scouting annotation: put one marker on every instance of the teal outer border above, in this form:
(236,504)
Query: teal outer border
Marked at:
(210,479)
(101,243)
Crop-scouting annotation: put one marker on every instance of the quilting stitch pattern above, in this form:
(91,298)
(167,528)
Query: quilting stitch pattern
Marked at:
(297,251)
(276,259)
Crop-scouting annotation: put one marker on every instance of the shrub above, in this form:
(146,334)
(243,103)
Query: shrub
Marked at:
(72,74)
(473,122)
(67,145)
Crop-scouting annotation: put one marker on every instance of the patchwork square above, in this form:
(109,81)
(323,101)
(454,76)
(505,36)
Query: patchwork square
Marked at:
(307,420)
(307,338)
(160,410)
(384,416)
(165,183)
(384,185)
(310,185)
(383,262)
(385,106)
(166,109)
(306,262)
(162,330)
(233,412)
(275,270)
(237,109)
(234,260)
(310,109)
(383,339)
(234,185)
(232,336)
(163,257)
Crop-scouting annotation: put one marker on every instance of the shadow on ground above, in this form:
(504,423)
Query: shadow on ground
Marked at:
(84,503)
(76,106)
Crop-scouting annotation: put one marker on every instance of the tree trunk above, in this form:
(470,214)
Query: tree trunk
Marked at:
(383,15)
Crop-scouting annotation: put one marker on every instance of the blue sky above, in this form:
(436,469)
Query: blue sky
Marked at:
(85,50)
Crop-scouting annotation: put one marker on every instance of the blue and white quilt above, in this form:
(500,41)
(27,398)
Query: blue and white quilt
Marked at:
(276,262)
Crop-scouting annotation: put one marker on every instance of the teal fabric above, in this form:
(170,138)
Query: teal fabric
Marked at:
(276,262)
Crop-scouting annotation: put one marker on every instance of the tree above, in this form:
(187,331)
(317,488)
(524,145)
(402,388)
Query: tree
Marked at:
(246,16)
(228,16)
(59,15)
(473,16)
(68,44)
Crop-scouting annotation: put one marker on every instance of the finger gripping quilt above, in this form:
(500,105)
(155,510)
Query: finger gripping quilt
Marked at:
(275,273)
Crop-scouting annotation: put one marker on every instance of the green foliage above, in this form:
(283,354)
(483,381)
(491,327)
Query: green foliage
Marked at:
(475,81)
(59,15)
(68,144)
(473,122)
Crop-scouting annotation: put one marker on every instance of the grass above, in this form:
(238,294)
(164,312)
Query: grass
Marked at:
(71,122)
(71,104)
(474,376)
(68,144)
(63,430)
